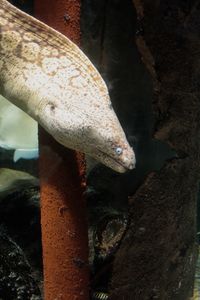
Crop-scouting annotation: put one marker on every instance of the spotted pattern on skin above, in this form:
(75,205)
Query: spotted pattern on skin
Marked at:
(50,65)
(30,51)
(49,42)
(49,77)
(9,41)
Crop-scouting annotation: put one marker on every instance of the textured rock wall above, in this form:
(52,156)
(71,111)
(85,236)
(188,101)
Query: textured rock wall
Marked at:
(157,256)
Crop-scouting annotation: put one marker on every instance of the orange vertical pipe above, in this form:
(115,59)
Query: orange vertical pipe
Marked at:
(63,212)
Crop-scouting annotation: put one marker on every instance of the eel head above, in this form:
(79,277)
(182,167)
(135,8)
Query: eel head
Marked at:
(90,125)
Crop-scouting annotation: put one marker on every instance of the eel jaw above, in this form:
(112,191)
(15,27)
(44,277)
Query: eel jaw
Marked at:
(115,163)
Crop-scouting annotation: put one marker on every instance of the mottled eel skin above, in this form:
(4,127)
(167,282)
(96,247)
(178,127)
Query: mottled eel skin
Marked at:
(49,77)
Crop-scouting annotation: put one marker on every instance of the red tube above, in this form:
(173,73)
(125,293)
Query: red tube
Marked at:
(62,175)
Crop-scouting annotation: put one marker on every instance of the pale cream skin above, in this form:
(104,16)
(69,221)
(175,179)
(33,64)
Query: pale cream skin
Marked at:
(49,77)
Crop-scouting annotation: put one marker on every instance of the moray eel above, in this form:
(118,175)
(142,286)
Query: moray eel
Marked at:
(49,77)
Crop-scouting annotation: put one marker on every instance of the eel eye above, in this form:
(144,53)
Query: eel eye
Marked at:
(118,150)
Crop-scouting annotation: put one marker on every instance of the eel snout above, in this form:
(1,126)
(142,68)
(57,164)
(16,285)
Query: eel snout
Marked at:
(121,158)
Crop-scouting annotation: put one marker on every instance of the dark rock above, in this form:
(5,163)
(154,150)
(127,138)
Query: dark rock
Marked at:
(16,281)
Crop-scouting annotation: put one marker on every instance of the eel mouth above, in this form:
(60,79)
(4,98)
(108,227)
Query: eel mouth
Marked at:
(116,164)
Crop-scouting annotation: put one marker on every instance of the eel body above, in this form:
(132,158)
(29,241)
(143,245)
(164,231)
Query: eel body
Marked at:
(46,75)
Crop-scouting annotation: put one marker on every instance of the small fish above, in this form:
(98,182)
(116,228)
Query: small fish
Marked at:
(100,296)
(49,77)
